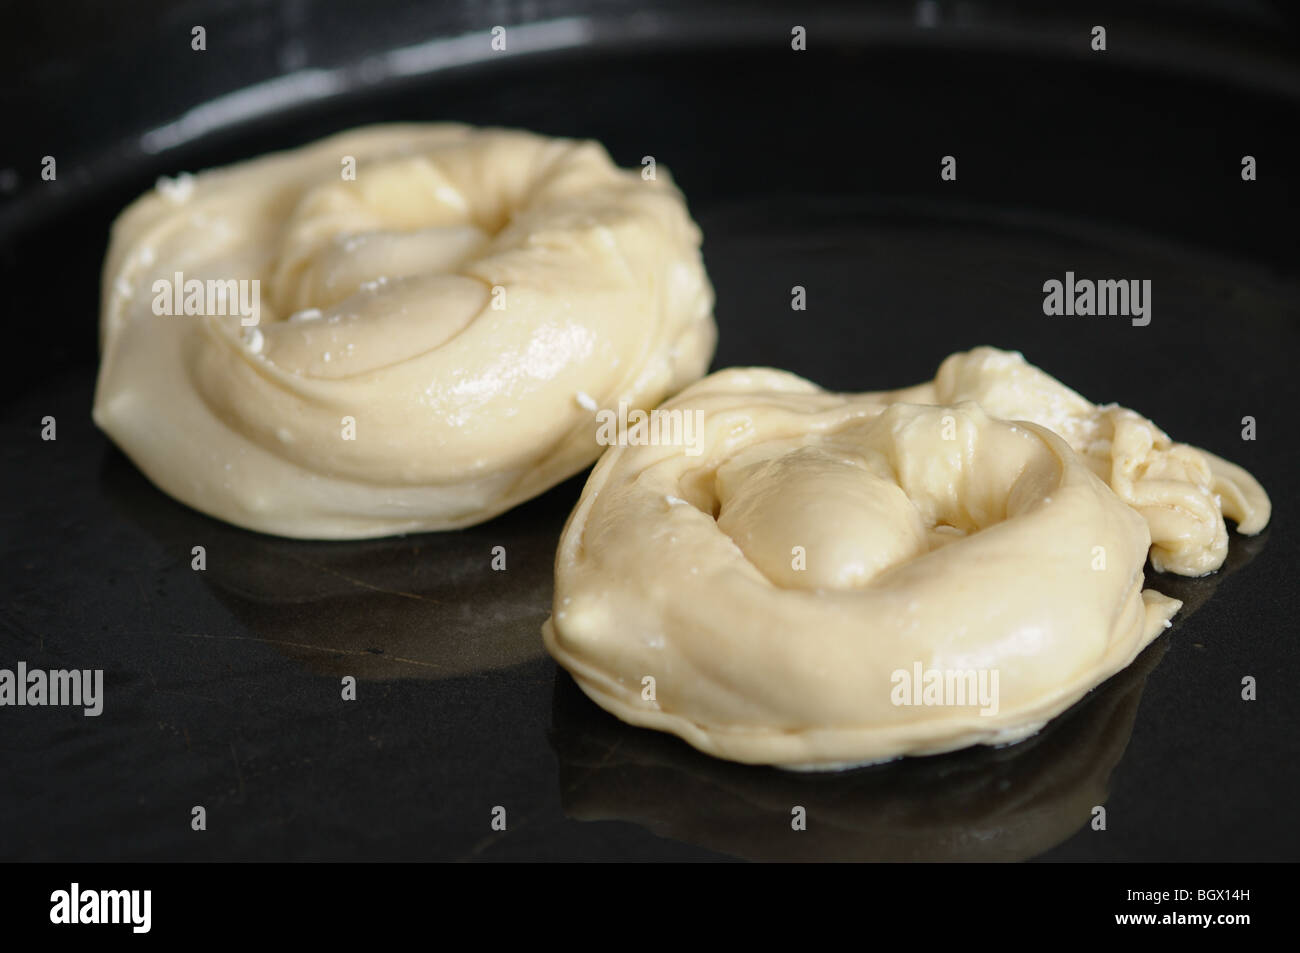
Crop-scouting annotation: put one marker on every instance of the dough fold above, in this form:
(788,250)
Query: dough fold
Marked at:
(1182,492)
(428,331)
(780,596)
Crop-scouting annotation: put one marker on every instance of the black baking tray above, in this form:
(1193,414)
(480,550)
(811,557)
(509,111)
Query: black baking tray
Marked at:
(817,168)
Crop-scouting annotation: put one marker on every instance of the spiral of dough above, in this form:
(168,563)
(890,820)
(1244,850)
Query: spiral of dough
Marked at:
(761,599)
(437,303)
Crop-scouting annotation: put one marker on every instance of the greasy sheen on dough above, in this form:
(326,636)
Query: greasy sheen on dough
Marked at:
(430,331)
(991,520)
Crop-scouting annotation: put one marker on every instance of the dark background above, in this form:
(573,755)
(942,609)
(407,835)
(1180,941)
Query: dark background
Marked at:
(818,168)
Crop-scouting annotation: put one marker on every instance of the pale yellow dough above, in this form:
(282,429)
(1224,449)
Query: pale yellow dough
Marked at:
(461,302)
(991,520)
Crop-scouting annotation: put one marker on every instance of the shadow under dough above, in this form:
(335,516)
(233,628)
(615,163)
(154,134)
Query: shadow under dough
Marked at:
(425,606)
